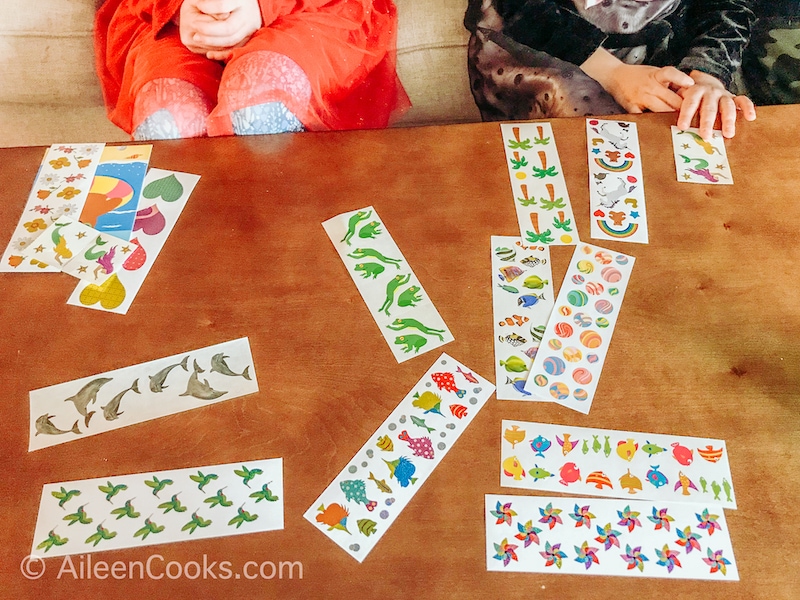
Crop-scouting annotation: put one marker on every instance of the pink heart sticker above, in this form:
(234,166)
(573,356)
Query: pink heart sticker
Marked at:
(599,213)
(630,155)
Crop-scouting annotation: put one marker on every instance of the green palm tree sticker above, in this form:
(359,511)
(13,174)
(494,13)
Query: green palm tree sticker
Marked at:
(516,143)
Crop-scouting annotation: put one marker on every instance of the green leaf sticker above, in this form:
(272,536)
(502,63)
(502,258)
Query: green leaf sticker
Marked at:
(168,188)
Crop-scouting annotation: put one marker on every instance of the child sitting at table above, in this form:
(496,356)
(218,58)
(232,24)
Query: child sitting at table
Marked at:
(188,68)
(555,58)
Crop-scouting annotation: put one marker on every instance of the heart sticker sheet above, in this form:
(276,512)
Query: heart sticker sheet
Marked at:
(606,462)
(522,300)
(543,208)
(114,399)
(128,511)
(698,160)
(574,346)
(363,501)
(590,536)
(616,184)
(405,314)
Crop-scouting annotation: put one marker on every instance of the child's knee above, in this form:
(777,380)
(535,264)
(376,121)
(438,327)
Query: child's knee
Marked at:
(170,108)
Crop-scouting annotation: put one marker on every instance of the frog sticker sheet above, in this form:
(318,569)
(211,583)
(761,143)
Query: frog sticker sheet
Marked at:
(405,314)
(363,501)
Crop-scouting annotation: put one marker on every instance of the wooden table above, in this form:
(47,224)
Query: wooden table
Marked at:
(707,345)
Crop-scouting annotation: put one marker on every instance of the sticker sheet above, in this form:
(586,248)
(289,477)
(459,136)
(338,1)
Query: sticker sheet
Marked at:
(362,502)
(590,536)
(700,161)
(165,195)
(543,208)
(574,346)
(91,405)
(522,299)
(128,511)
(617,464)
(405,314)
(616,185)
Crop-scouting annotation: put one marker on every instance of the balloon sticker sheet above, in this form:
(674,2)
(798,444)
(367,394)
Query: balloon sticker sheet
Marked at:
(698,160)
(617,464)
(522,298)
(362,502)
(591,536)
(616,185)
(164,195)
(405,314)
(128,511)
(543,208)
(99,403)
(574,346)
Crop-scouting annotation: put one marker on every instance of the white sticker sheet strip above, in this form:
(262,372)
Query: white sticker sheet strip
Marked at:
(363,501)
(522,299)
(406,316)
(128,511)
(59,189)
(99,403)
(591,536)
(616,464)
(574,347)
(165,195)
(698,160)
(616,183)
(540,192)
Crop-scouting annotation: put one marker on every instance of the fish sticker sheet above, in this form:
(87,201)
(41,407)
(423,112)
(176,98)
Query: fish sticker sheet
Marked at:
(522,299)
(128,511)
(574,346)
(543,208)
(616,464)
(590,536)
(363,501)
(166,194)
(698,160)
(616,184)
(402,309)
(99,403)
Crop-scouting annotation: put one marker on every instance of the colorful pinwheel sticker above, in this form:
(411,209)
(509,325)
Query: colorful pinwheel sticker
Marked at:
(708,521)
(503,513)
(667,558)
(661,519)
(53,539)
(717,562)
(628,518)
(516,143)
(528,534)
(608,536)
(553,555)
(505,552)
(634,557)
(550,515)
(582,516)
(586,555)
(688,540)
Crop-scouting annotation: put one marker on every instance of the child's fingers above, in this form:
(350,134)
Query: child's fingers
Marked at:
(709,109)
(656,104)
(744,104)
(727,115)
(689,107)
(215,7)
(667,76)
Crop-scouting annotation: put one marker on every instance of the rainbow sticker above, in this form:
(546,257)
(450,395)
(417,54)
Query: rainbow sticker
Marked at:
(628,231)
(626,164)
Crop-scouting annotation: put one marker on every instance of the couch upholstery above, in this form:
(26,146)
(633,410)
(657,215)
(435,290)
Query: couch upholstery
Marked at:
(49,92)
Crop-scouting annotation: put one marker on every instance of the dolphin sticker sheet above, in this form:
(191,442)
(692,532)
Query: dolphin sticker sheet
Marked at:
(574,346)
(402,309)
(522,300)
(616,464)
(698,160)
(128,511)
(591,536)
(363,501)
(616,183)
(540,191)
(99,403)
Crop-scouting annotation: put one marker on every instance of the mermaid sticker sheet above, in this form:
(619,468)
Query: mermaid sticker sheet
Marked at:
(363,501)
(698,160)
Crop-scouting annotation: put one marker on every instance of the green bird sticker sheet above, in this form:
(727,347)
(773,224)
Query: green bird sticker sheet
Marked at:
(591,536)
(540,191)
(402,309)
(84,407)
(363,501)
(127,511)
(617,464)
(698,160)
(522,300)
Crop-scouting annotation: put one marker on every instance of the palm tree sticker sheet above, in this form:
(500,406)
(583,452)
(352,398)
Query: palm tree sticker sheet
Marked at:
(127,511)
(698,160)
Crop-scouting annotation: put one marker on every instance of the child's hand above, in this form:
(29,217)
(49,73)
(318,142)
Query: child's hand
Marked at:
(214,27)
(711,98)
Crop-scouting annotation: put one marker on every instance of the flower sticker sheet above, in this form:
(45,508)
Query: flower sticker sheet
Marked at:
(522,300)
(127,511)
(698,160)
(590,536)
(617,464)
(402,309)
(543,208)
(616,184)
(165,194)
(114,399)
(363,501)
(574,346)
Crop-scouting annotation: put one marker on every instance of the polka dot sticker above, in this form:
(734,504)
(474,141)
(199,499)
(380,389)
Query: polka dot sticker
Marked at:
(441,445)
(352,468)
(364,463)
(473,401)
(392,426)
(384,514)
